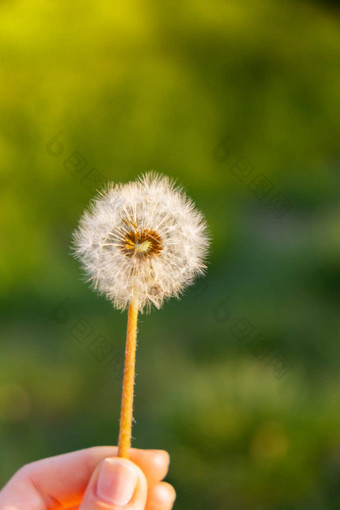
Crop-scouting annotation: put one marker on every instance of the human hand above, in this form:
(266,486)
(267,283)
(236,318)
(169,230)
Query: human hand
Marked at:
(92,479)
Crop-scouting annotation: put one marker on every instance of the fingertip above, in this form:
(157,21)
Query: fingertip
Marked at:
(162,495)
(161,460)
(154,463)
(116,482)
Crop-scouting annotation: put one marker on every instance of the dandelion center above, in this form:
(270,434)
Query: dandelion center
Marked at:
(142,244)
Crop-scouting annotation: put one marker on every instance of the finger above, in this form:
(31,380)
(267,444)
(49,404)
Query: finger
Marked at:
(64,478)
(153,463)
(116,484)
(161,497)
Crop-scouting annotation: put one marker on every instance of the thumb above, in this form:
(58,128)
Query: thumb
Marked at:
(116,484)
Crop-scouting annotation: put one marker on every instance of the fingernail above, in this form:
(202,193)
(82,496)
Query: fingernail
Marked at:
(116,482)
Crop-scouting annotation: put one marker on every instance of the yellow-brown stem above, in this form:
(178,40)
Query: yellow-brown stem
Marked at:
(126,416)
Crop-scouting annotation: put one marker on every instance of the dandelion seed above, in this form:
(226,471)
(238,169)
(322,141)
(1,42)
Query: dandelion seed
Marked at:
(140,244)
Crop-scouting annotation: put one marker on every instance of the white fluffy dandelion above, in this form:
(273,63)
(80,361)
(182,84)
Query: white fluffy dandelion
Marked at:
(140,243)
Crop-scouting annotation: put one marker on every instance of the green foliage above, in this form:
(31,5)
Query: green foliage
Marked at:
(238,380)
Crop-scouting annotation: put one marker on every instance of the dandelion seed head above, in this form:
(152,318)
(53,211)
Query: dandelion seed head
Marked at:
(143,241)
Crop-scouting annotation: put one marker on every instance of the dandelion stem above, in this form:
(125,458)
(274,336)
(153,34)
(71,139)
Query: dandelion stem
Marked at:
(126,416)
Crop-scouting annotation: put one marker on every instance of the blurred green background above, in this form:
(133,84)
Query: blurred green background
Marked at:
(239,380)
